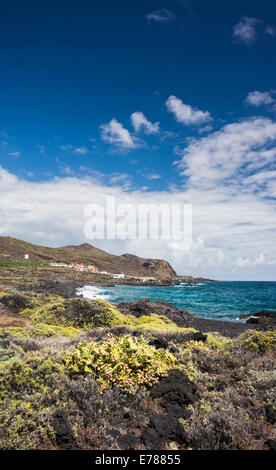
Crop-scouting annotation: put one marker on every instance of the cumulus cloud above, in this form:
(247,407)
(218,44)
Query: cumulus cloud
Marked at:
(140,122)
(259,260)
(81,150)
(161,16)
(234,151)
(230,220)
(229,177)
(245,31)
(186,114)
(258,98)
(114,133)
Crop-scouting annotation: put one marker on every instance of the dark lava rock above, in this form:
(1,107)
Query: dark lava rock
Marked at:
(128,441)
(161,428)
(159,343)
(56,286)
(174,392)
(198,336)
(262,313)
(166,426)
(175,388)
(176,410)
(253,321)
(150,438)
(264,319)
(270,412)
(64,434)
(182,317)
(271,444)
(146,307)
(15,303)
(173,349)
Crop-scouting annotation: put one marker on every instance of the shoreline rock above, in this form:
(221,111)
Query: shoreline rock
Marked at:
(67,289)
(264,319)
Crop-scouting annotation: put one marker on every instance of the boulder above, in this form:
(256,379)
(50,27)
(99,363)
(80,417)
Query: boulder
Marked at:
(63,431)
(265,319)
(270,412)
(146,307)
(175,388)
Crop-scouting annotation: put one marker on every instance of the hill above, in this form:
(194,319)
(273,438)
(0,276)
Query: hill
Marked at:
(13,250)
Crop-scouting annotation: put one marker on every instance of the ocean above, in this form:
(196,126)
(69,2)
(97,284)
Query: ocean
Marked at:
(214,300)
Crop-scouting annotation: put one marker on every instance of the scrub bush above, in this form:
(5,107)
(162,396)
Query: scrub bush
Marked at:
(125,362)
(78,313)
(260,341)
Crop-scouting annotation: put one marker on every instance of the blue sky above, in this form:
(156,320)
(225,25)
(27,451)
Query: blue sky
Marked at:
(143,99)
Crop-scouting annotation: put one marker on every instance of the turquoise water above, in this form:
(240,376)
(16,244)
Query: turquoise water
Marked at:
(218,300)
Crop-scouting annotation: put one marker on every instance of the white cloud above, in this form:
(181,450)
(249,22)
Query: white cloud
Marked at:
(230,221)
(185,114)
(260,260)
(205,129)
(154,176)
(230,152)
(245,30)
(270,30)
(14,154)
(140,122)
(81,150)
(67,147)
(117,178)
(161,16)
(229,177)
(114,133)
(258,98)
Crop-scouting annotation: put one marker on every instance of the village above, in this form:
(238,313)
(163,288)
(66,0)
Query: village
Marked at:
(92,269)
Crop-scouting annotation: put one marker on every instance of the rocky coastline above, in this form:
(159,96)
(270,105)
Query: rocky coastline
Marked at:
(87,374)
(68,289)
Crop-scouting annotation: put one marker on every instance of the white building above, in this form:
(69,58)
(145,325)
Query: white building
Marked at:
(118,276)
(59,265)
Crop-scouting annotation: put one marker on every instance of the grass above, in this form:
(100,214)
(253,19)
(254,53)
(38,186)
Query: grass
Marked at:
(21,264)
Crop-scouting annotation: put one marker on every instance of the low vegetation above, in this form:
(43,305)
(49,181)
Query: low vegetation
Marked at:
(124,362)
(83,375)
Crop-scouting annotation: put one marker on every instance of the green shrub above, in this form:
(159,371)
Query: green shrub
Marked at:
(125,362)
(17,302)
(6,355)
(155,322)
(259,341)
(79,313)
(217,341)
(40,330)
(35,373)
(22,427)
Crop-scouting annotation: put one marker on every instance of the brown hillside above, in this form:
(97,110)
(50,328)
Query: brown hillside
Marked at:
(12,250)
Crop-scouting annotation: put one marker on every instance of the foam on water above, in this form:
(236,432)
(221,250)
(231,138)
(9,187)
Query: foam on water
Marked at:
(93,292)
